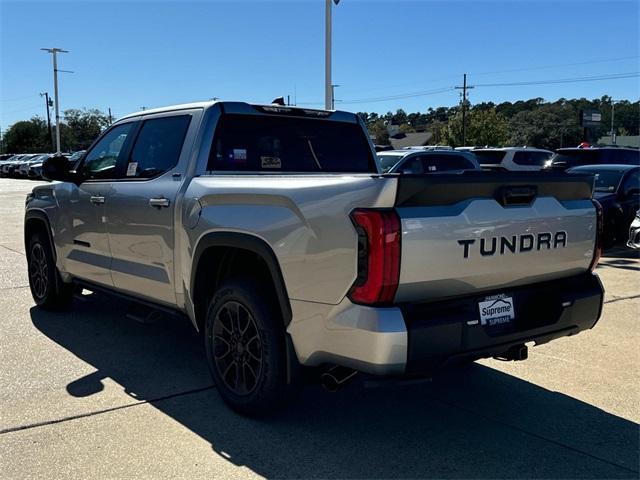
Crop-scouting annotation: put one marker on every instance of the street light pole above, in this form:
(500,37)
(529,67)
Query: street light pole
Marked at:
(54,52)
(613,112)
(328,90)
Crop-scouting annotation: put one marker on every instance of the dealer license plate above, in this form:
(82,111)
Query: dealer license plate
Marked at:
(496,310)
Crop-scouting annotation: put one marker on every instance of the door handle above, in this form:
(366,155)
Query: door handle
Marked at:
(97,200)
(159,202)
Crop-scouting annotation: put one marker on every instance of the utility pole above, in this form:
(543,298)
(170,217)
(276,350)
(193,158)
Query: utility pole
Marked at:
(328,90)
(48,103)
(464,88)
(613,112)
(54,52)
(110,117)
(333,96)
(143,108)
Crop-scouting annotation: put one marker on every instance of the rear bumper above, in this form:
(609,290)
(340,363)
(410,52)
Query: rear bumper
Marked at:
(420,338)
(446,332)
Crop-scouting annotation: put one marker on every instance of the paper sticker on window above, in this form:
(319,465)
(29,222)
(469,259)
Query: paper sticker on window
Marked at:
(270,162)
(240,154)
(132,169)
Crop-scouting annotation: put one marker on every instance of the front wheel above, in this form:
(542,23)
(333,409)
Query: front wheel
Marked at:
(47,288)
(246,348)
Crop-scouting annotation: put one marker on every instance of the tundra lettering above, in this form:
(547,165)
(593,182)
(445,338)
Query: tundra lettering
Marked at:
(516,243)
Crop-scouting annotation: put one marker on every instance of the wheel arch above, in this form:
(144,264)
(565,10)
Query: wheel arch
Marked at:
(37,221)
(222,243)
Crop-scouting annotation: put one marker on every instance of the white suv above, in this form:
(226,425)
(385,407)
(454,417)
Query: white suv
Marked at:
(521,159)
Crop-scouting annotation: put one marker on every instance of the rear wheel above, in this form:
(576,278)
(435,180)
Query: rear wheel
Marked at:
(246,348)
(47,288)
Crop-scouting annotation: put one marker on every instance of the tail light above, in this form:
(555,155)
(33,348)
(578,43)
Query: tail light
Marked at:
(378,256)
(597,250)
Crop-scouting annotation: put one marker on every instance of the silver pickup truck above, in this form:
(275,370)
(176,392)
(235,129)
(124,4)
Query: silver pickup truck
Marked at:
(274,231)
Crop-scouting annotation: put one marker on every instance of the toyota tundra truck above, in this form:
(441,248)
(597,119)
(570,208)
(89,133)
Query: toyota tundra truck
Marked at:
(275,232)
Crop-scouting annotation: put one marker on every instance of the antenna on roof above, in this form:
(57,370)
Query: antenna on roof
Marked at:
(278,101)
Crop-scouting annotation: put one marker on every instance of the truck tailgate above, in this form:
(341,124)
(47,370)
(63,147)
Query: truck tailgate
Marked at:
(481,231)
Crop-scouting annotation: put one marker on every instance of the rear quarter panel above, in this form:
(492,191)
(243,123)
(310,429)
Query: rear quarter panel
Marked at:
(304,218)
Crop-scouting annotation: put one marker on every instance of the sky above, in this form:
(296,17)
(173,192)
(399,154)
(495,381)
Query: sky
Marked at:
(128,55)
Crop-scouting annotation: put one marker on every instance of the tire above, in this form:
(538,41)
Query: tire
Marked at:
(246,348)
(47,288)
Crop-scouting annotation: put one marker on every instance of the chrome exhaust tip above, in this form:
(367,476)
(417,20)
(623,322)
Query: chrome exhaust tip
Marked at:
(334,378)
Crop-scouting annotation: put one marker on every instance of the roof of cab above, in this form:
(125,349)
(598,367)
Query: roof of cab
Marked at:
(189,106)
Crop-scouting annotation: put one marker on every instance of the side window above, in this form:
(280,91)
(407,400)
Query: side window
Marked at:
(412,166)
(632,182)
(631,157)
(444,163)
(522,158)
(157,147)
(102,159)
(531,158)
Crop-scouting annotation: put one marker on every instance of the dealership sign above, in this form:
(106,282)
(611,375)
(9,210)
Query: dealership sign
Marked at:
(590,118)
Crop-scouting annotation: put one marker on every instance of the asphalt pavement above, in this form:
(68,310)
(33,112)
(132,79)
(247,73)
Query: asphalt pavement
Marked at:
(90,393)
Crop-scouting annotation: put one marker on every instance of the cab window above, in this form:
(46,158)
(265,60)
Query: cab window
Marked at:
(101,161)
(158,146)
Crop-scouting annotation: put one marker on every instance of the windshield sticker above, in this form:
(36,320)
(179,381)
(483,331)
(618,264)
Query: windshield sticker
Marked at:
(270,162)
(132,169)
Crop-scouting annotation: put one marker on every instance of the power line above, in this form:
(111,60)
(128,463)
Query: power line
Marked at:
(614,76)
(22,109)
(559,65)
(400,96)
(524,69)
(17,99)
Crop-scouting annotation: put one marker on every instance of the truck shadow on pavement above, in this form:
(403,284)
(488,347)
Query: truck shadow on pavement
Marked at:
(473,422)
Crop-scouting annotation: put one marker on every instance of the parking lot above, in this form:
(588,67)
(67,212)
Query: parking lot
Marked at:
(92,393)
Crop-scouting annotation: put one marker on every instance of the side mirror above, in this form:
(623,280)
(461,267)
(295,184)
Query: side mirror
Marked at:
(57,168)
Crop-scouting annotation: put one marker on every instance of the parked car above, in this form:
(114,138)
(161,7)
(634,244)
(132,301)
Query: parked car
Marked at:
(634,232)
(23,169)
(383,148)
(429,147)
(513,159)
(7,165)
(35,166)
(617,189)
(14,165)
(273,231)
(426,161)
(565,158)
(5,162)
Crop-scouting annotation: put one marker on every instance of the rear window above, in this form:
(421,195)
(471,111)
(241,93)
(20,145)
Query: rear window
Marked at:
(597,155)
(536,159)
(440,163)
(489,157)
(289,144)
(577,157)
(605,180)
(388,161)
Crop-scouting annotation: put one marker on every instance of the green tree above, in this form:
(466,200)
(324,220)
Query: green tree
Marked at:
(27,136)
(484,127)
(83,127)
(550,126)
(378,130)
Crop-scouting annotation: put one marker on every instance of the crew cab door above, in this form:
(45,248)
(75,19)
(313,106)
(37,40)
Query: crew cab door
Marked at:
(141,208)
(89,256)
